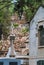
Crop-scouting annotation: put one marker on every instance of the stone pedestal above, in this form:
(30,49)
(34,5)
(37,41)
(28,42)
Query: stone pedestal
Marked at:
(11,51)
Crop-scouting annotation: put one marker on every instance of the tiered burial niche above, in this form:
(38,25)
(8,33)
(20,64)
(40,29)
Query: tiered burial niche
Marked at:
(9,61)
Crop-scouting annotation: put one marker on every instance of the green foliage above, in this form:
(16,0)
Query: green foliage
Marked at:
(25,30)
(27,6)
(30,9)
(21,6)
(11,9)
(28,13)
(5,17)
(5,29)
(16,25)
(0,43)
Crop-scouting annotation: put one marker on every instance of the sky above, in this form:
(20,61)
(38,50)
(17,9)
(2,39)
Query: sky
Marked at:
(14,1)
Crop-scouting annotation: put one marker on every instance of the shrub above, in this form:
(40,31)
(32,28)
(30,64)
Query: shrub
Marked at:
(25,30)
(15,25)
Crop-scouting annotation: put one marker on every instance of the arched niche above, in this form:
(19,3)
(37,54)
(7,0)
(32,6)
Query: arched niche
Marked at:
(41,33)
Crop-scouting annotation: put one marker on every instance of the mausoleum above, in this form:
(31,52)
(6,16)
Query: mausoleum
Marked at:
(36,37)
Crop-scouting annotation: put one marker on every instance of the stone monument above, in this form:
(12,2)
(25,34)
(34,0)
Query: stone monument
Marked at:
(11,52)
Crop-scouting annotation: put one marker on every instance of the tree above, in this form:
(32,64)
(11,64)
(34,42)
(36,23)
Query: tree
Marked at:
(19,7)
(4,17)
(27,6)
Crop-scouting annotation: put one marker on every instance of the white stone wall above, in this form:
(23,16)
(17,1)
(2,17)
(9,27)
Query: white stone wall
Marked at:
(33,40)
